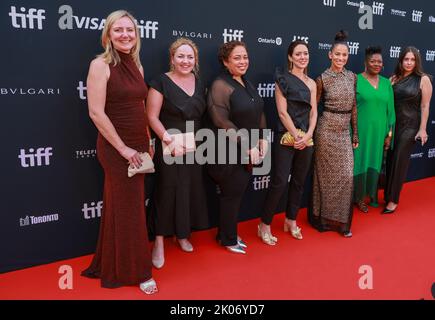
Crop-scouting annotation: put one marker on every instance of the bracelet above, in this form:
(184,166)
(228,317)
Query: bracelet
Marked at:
(390,134)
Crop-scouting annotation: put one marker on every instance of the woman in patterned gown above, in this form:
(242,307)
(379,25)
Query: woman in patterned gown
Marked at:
(116,94)
(331,207)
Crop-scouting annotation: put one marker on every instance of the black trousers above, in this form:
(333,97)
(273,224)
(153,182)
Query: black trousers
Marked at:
(286,161)
(398,163)
(232,180)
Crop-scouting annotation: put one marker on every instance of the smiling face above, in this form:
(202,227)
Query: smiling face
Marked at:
(238,61)
(123,35)
(408,63)
(183,60)
(300,57)
(374,64)
(339,56)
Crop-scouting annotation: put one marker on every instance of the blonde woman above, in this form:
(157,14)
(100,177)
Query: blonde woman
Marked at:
(116,94)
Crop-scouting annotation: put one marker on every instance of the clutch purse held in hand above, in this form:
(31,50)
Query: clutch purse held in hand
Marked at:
(187,139)
(147,165)
(288,140)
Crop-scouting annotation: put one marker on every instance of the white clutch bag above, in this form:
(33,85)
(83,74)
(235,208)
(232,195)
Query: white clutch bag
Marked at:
(187,139)
(146,167)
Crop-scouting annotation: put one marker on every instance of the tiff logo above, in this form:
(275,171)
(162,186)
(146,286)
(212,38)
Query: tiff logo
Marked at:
(395,51)
(148,30)
(329,3)
(378,8)
(93,211)
(266,90)
(24,21)
(416,15)
(261,183)
(431,153)
(430,55)
(353,47)
(232,35)
(81,89)
(40,155)
(300,38)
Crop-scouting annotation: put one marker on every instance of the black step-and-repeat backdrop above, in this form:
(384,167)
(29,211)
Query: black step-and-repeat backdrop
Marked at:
(51,180)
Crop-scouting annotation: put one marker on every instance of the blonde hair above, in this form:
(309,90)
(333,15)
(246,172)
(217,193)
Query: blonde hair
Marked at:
(178,43)
(110,55)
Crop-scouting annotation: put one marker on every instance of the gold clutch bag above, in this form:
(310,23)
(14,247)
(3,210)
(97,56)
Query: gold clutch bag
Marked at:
(146,167)
(288,140)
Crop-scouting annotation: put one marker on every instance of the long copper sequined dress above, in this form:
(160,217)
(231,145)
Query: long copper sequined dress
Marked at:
(331,207)
(123,256)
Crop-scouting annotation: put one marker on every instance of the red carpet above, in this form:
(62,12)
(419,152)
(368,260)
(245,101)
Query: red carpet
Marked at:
(398,247)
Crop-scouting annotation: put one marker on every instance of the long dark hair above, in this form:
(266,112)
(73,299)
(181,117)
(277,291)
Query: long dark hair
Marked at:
(290,50)
(418,69)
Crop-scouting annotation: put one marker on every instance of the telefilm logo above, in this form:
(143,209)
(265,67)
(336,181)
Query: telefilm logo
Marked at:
(82,90)
(302,38)
(277,41)
(329,3)
(27,18)
(30,91)
(417,15)
(38,158)
(431,153)
(232,35)
(266,90)
(92,210)
(417,155)
(395,51)
(31,220)
(261,183)
(430,55)
(325,46)
(191,34)
(399,13)
(86,154)
(69,21)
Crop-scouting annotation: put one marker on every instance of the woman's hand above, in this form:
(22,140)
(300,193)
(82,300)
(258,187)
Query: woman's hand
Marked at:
(177,147)
(132,156)
(302,141)
(263,146)
(421,136)
(254,155)
(387,143)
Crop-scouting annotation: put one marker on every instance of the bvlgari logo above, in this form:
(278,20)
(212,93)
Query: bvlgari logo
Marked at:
(191,34)
(29,91)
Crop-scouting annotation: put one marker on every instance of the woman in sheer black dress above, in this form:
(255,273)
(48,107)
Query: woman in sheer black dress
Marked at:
(234,105)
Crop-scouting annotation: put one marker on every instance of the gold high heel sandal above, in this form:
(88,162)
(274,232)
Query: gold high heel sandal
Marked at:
(267,237)
(296,233)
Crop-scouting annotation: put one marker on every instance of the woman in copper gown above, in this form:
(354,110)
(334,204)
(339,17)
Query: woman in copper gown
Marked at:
(116,94)
(412,93)
(331,207)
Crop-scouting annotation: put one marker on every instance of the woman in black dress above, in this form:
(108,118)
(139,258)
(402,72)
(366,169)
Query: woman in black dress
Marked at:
(176,103)
(295,95)
(236,109)
(412,93)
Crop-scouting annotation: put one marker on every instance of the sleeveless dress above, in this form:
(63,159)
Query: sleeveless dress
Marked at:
(122,256)
(407,101)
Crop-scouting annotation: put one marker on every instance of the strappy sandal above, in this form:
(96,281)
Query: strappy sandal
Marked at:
(267,237)
(149,287)
(296,233)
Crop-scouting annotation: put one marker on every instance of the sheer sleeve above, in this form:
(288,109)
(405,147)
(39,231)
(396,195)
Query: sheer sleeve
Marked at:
(354,119)
(218,105)
(319,84)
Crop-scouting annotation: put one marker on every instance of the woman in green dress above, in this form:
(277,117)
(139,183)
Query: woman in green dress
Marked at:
(376,118)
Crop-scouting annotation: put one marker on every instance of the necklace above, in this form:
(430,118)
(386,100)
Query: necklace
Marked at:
(373,81)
